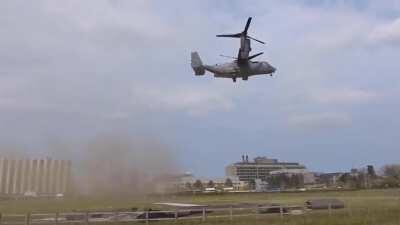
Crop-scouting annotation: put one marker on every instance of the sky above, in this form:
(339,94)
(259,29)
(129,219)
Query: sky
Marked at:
(73,70)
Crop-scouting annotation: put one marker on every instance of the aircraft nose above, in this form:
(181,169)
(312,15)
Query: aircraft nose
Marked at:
(273,69)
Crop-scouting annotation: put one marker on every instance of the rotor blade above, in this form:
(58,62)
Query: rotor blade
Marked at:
(256,40)
(230,35)
(228,56)
(253,56)
(247,25)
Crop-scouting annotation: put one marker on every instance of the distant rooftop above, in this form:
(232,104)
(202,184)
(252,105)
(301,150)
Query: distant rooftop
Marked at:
(263,160)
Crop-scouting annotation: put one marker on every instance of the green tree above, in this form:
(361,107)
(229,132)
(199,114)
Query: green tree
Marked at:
(391,175)
(198,185)
(273,181)
(348,180)
(252,184)
(392,171)
(297,181)
(228,182)
(371,171)
(284,180)
(210,184)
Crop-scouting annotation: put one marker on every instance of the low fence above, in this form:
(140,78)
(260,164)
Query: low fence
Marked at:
(145,216)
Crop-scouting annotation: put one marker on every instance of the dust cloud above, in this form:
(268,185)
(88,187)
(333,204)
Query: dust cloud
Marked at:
(116,164)
(12,150)
(123,165)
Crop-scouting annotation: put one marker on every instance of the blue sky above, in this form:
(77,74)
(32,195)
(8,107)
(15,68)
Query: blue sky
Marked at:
(70,71)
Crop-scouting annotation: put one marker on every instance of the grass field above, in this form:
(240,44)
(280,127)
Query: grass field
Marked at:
(362,207)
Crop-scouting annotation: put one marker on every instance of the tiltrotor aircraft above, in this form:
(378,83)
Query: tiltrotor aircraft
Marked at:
(242,66)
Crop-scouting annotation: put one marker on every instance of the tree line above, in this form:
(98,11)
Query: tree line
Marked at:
(388,177)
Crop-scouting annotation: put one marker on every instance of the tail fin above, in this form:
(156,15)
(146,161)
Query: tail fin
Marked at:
(197,64)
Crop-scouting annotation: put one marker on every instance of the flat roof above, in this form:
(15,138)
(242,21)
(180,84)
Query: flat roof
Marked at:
(266,164)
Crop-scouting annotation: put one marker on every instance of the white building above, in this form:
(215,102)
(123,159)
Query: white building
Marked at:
(40,176)
(260,168)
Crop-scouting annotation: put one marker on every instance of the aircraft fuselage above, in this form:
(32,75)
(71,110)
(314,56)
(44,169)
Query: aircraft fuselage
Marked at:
(234,70)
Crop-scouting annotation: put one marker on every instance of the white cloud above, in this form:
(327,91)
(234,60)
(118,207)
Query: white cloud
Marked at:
(325,120)
(388,33)
(336,31)
(343,96)
(195,101)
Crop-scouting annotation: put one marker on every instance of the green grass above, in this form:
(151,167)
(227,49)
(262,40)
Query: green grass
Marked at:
(365,207)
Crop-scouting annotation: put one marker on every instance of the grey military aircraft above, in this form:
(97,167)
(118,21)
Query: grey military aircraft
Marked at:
(241,67)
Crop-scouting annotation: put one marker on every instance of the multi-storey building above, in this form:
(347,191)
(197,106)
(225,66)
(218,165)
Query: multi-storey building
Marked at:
(260,168)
